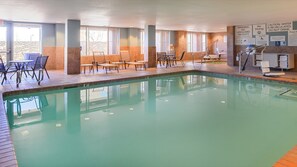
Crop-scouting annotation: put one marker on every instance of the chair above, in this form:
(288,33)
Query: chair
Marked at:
(266,70)
(98,54)
(3,70)
(125,57)
(161,57)
(180,59)
(106,65)
(40,65)
(31,56)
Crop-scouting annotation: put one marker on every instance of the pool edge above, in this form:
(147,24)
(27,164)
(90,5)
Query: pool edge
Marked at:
(7,151)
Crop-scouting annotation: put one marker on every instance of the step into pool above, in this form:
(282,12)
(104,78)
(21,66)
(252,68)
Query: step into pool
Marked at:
(178,120)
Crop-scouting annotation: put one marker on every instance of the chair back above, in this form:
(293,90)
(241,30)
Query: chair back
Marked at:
(2,66)
(183,55)
(43,61)
(37,63)
(100,54)
(124,56)
(161,55)
(265,67)
(31,56)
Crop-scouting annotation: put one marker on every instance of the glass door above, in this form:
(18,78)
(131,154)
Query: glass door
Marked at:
(3,43)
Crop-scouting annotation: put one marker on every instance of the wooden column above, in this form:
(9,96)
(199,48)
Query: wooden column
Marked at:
(231,53)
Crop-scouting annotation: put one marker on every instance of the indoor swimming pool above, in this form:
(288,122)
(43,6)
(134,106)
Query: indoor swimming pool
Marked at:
(178,120)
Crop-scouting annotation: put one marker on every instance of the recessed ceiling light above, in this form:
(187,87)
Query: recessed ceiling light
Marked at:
(111,113)
(223,102)
(58,125)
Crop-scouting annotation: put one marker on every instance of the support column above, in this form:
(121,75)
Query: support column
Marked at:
(231,53)
(72,47)
(150,45)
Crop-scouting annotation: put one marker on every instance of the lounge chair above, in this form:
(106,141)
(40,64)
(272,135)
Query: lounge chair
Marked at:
(180,58)
(103,63)
(98,54)
(266,70)
(125,57)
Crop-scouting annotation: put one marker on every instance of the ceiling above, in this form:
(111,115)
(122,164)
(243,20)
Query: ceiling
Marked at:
(191,15)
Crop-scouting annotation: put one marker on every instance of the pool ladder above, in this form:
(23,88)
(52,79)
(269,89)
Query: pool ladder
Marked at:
(284,92)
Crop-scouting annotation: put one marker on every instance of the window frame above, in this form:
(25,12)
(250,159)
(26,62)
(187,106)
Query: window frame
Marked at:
(28,25)
(162,41)
(4,49)
(109,46)
(196,42)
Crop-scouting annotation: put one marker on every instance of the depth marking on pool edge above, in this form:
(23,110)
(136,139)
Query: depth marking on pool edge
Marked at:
(288,160)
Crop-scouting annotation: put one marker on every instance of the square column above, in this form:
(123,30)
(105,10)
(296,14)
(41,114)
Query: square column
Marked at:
(72,47)
(150,45)
(231,53)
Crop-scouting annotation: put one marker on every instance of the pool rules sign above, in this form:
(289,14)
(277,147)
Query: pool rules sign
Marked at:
(259,29)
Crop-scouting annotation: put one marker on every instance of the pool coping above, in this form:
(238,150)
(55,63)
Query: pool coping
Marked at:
(7,150)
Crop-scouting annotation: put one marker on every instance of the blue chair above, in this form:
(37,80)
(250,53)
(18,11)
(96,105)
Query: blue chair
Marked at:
(31,56)
(4,70)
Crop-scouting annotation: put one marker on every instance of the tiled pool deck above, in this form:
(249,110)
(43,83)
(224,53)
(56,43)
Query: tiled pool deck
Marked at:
(59,80)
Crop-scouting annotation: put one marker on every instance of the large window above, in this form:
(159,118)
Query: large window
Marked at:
(142,41)
(3,43)
(99,39)
(196,42)
(163,41)
(192,42)
(26,38)
(204,42)
(83,40)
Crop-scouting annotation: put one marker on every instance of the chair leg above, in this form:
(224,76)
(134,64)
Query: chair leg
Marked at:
(40,76)
(12,75)
(4,78)
(34,74)
(46,73)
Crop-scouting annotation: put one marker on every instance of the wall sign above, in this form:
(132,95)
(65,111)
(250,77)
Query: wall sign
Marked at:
(259,29)
(246,41)
(243,35)
(277,38)
(279,27)
(243,31)
(262,40)
(292,38)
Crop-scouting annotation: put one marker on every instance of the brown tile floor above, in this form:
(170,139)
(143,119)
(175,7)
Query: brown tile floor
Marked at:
(59,79)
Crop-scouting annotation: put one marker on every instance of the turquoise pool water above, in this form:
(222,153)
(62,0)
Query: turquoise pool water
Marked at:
(184,120)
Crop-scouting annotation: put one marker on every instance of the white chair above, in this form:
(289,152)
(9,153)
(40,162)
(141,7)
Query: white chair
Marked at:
(266,70)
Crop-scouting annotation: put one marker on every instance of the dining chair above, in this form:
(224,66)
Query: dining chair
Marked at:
(3,70)
(161,58)
(40,65)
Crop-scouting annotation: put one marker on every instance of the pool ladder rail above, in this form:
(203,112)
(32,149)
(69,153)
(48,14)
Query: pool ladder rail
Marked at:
(289,93)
